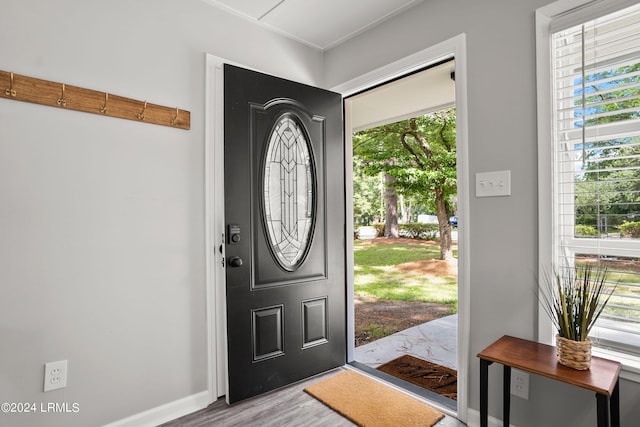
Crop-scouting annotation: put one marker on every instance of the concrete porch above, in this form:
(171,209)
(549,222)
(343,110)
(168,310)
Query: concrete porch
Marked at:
(435,341)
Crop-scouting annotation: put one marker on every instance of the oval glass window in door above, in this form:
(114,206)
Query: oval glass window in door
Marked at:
(289,192)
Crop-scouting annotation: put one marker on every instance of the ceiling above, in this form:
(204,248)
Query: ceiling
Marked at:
(321,24)
(424,92)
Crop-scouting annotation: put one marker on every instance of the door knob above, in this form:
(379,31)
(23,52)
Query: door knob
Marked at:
(235,261)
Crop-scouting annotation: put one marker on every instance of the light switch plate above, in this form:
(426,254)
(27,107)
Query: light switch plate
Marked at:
(492,184)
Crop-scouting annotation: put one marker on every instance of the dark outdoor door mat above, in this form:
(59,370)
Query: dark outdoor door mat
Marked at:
(434,377)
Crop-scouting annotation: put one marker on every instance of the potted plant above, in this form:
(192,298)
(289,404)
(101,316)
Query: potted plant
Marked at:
(574,298)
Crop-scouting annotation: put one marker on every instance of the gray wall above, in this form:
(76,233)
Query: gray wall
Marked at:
(102,220)
(502,135)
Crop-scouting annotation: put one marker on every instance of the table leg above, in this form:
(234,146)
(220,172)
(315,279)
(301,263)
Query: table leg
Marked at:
(484,391)
(603,410)
(506,395)
(614,403)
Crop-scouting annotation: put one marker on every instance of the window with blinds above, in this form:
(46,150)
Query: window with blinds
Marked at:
(596,86)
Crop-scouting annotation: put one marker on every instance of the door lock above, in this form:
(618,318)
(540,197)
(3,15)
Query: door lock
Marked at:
(233,233)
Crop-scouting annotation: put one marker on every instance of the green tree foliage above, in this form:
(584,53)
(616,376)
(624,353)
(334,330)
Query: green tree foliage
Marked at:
(424,166)
(608,185)
(367,198)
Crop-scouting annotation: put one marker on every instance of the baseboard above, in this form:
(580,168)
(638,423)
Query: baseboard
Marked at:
(162,414)
(473,419)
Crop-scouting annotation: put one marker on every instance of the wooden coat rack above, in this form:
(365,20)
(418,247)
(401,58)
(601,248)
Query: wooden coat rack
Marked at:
(44,92)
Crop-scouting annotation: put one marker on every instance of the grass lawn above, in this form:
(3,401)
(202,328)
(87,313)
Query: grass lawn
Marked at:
(378,276)
(626,299)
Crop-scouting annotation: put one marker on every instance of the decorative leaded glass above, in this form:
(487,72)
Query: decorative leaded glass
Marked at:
(288,193)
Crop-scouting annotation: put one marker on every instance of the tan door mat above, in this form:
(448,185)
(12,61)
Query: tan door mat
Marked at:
(369,403)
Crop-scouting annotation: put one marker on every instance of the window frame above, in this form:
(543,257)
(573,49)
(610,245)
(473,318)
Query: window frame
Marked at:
(550,19)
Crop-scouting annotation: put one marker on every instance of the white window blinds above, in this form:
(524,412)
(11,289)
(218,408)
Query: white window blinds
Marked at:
(596,74)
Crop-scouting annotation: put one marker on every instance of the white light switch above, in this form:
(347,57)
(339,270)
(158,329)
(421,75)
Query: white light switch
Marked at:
(491,184)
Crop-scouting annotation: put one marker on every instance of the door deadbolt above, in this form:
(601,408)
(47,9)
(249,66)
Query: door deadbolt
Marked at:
(233,233)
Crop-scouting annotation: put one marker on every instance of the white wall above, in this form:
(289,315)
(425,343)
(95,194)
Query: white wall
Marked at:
(101,219)
(501,85)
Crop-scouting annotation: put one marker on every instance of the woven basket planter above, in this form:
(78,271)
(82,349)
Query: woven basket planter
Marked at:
(574,354)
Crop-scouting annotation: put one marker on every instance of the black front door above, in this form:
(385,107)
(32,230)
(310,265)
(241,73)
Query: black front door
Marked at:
(285,236)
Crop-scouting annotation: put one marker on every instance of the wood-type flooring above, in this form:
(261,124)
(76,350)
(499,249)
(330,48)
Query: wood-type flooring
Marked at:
(288,406)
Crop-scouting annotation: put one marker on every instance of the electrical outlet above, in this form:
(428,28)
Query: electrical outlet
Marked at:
(520,384)
(55,375)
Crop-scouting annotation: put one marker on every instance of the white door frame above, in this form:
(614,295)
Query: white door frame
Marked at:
(215,229)
(214,204)
(456,48)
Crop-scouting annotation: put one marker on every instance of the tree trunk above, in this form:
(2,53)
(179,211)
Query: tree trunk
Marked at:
(391,215)
(445,227)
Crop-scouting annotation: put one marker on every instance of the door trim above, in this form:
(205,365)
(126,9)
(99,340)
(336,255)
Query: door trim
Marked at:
(214,229)
(216,301)
(456,48)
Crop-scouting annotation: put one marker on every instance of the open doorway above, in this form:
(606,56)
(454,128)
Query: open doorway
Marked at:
(405,230)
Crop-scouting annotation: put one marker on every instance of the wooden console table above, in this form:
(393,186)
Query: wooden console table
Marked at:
(540,359)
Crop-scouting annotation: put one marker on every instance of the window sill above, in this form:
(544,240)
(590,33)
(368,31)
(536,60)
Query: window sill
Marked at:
(630,364)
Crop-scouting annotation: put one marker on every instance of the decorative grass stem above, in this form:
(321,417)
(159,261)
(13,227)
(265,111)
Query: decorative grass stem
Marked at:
(574,298)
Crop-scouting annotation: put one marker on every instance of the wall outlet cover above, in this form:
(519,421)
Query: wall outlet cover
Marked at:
(55,375)
(520,384)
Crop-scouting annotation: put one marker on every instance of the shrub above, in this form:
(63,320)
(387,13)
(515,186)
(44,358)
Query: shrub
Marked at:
(379,229)
(586,230)
(630,229)
(418,230)
(412,230)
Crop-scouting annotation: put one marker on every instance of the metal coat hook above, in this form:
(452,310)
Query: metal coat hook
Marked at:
(104,108)
(174,121)
(141,114)
(11,91)
(61,101)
